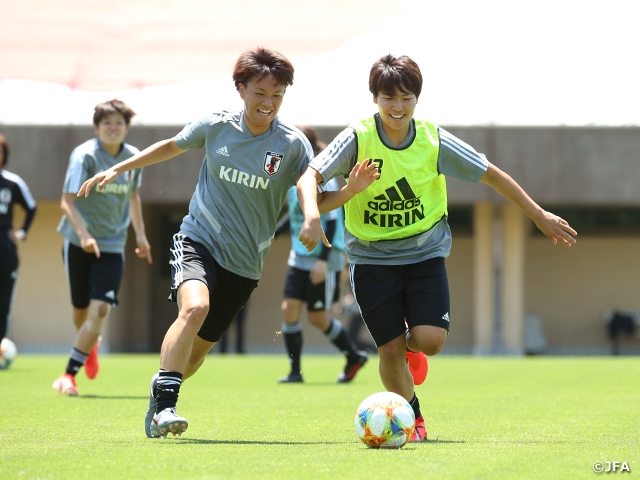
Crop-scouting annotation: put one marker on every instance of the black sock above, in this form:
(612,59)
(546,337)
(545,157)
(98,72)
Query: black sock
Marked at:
(415,404)
(167,389)
(340,339)
(293,340)
(76,360)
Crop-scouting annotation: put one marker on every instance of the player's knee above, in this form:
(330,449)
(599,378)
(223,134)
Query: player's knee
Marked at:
(93,325)
(286,307)
(291,309)
(195,311)
(433,344)
(393,350)
(433,348)
(103,310)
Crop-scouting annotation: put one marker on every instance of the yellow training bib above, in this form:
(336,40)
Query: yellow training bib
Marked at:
(410,196)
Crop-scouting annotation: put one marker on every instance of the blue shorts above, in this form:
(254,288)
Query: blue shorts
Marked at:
(390,295)
(228,292)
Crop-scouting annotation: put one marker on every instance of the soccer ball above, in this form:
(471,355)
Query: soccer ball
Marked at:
(8,352)
(385,420)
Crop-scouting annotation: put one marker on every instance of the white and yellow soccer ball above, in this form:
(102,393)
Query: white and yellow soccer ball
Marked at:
(385,420)
(8,353)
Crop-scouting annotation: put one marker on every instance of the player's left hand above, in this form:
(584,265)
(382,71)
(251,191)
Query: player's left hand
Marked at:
(556,228)
(144,249)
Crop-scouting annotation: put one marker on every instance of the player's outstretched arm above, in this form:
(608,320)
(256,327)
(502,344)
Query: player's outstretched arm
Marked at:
(554,227)
(156,153)
(311,232)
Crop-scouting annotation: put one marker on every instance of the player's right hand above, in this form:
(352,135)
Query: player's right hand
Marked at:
(312,233)
(90,245)
(102,179)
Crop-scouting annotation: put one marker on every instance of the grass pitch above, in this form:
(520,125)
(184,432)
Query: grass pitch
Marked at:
(487,418)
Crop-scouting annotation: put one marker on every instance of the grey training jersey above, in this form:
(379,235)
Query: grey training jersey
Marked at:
(106,213)
(455,159)
(242,186)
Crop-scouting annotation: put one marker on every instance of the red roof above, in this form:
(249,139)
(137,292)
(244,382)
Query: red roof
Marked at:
(120,44)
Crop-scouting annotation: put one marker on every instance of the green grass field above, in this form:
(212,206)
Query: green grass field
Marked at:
(487,417)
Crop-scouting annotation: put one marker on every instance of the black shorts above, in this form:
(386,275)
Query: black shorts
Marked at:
(389,295)
(90,277)
(319,296)
(228,292)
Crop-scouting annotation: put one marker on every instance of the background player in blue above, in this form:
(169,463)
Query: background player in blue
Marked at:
(95,234)
(397,235)
(13,191)
(314,278)
(252,159)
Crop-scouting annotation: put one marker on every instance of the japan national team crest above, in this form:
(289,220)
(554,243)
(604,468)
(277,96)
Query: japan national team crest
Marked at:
(272,162)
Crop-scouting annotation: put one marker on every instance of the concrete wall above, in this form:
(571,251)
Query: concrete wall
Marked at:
(570,289)
(571,166)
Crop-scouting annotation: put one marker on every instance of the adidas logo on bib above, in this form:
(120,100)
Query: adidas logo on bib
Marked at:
(223,151)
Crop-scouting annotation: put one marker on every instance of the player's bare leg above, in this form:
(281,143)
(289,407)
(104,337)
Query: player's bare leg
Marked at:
(79,316)
(396,377)
(319,319)
(88,336)
(91,328)
(426,339)
(199,352)
(393,368)
(193,302)
(90,321)
(177,350)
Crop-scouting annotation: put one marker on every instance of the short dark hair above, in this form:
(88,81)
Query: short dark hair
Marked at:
(105,109)
(259,62)
(312,136)
(4,145)
(390,74)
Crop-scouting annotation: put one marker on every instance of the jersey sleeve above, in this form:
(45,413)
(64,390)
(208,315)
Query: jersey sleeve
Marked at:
(137,183)
(331,186)
(459,160)
(339,157)
(81,167)
(194,134)
(305,154)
